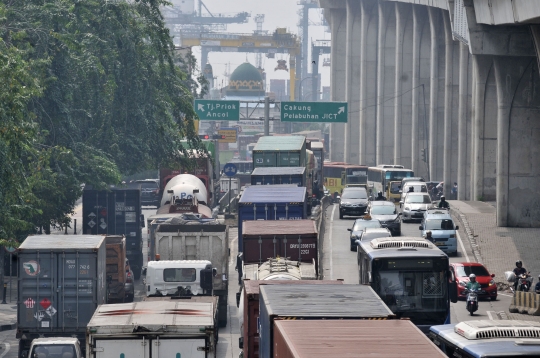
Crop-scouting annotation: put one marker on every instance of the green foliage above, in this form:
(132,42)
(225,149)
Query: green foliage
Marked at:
(91,89)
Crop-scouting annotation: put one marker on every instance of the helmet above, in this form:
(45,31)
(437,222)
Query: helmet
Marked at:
(518,262)
(443,198)
(472,275)
(379,193)
(428,232)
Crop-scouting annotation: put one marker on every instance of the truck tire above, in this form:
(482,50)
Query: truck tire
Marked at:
(24,346)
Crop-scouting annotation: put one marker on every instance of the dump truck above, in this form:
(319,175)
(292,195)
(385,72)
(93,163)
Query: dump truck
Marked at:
(116,268)
(180,239)
(61,283)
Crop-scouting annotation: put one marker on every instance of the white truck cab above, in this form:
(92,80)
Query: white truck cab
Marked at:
(63,347)
(179,277)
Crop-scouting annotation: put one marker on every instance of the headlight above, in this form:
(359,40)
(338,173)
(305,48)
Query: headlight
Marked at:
(492,282)
(406,208)
(463,284)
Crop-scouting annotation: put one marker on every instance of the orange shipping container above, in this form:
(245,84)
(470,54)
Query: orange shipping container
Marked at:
(351,338)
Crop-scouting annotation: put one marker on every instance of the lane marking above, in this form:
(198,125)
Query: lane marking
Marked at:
(490,315)
(330,240)
(504,294)
(462,247)
(6,351)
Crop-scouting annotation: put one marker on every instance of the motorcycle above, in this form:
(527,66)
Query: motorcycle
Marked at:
(472,301)
(524,282)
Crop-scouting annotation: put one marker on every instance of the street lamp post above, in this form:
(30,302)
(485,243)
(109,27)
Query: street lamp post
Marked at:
(300,87)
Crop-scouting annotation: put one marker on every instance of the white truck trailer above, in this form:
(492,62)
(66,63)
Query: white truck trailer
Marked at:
(157,329)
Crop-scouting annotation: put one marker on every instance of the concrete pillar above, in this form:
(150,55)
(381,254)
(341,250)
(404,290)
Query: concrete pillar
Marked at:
(400,24)
(353,81)
(338,21)
(434,20)
(362,146)
(380,85)
(416,90)
(462,121)
(448,84)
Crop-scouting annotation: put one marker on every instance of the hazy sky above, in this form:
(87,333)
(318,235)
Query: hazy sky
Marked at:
(278,13)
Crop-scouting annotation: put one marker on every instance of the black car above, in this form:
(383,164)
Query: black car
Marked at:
(149,192)
(358,228)
(386,213)
(353,201)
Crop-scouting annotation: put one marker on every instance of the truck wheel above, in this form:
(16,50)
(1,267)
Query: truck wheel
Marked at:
(23,348)
(340,215)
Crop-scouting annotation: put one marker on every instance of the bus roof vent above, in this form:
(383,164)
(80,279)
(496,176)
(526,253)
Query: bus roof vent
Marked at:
(487,329)
(390,166)
(398,243)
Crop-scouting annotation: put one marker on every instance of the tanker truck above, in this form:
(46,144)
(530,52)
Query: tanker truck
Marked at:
(185,193)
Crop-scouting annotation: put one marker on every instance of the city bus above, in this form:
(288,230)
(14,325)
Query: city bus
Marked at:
(411,275)
(385,178)
(339,174)
(488,339)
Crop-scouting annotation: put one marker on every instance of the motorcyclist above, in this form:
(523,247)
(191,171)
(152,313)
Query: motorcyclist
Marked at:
(428,236)
(443,204)
(380,197)
(518,271)
(473,285)
(537,286)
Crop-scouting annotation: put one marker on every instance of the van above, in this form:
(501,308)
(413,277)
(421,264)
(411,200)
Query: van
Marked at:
(442,229)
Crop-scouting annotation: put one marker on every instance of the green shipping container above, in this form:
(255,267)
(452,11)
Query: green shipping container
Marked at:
(282,151)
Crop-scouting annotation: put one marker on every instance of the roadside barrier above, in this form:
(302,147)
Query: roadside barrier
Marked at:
(525,303)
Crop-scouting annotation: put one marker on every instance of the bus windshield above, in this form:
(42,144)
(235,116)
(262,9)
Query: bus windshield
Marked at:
(356,179)
(398,175)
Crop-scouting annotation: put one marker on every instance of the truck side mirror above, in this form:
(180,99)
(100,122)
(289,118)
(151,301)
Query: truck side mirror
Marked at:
(457,227)
(144,271)
(420,227)
(109,278)
(238,299)
(214,272)
(207,279)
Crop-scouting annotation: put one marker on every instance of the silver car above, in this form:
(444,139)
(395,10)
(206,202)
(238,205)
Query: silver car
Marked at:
(414,205)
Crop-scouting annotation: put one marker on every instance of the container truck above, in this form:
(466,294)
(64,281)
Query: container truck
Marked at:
(116,269)
(61,283)
(349,338)
(116,211)
(248,303)
(158,329)
(185,193)
(270,202)
(280,151)
(279,175)
(280,268)
(198,241)
(325,302)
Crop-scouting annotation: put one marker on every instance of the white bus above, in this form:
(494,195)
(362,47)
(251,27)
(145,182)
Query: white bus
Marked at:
(380,177)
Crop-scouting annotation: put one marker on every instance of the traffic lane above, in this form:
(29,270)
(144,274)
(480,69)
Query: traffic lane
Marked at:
(339,262)
(9,345)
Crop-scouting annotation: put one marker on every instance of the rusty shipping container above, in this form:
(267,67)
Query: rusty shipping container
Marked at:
(351,338)
(116,268)
(305,303)
(297,240)
(249,330)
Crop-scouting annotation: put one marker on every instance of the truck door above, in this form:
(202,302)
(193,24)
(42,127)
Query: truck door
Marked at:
(108,348)
(165,348)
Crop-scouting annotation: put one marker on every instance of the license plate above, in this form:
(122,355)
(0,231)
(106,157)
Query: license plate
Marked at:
(440,244)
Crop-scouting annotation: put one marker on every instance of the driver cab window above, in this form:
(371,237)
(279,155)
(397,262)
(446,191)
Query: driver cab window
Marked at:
(179,275)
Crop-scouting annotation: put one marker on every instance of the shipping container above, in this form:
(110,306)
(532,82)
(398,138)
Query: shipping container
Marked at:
(116,211)
(279,175)
(270,202)
(324,302)
(159,329)
(351,338)
(280,151)
(248,303)
(296,239)
(61,282)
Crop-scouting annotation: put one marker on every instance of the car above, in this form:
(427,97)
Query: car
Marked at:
(414,205)
(386,213)
(462,270)
(358,228)
(418,187)
(443,230)
(129,285)
(149,192)
(353,201)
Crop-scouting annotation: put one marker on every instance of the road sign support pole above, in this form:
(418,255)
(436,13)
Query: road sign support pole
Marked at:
(229,204)
(74,226)
(266,115)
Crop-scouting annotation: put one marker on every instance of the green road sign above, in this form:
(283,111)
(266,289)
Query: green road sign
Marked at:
(327,112)
(217,110)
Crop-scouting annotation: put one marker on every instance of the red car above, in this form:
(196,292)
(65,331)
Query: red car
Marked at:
(462,270)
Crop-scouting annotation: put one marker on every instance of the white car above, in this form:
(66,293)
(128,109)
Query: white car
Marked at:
(414,205)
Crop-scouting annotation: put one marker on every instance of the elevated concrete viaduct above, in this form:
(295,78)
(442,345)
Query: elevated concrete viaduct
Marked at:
(458,78)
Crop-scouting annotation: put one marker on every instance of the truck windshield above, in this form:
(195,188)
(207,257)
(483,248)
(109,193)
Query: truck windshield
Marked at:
(53,350)
(179,275)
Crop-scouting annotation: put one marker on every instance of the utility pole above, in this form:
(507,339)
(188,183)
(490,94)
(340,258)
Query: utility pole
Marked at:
(2,255)
(266,115)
